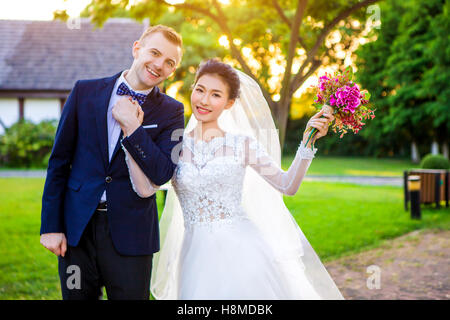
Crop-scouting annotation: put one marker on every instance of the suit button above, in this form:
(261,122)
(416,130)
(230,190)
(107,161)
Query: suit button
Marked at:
(108,179)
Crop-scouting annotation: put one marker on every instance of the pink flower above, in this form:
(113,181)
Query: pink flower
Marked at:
(348,98)
(332,101)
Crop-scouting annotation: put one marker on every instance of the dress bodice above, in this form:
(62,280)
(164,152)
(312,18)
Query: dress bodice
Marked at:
(208,179)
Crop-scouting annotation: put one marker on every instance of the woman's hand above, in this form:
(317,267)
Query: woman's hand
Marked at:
(321,124)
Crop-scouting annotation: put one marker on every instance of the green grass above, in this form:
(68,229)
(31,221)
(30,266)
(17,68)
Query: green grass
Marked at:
(21,169)
(354,166)
(336,218)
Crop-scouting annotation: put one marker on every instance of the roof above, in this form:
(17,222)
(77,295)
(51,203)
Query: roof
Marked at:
(48,55)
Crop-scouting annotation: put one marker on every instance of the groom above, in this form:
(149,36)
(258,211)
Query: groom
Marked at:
(103,233)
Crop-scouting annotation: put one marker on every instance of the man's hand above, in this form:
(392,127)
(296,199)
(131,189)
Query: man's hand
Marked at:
(55,242)
(126,112)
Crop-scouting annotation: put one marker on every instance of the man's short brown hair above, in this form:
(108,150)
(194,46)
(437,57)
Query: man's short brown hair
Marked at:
(169,33)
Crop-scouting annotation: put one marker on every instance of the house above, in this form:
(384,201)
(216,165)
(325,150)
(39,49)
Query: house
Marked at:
(40,61)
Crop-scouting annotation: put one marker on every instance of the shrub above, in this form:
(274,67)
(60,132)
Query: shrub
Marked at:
(26,144)
(434,161)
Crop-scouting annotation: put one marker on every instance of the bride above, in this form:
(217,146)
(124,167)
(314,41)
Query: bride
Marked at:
(225,231)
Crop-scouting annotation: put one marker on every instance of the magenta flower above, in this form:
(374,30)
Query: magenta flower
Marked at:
(348,97)
(350,104)
(332,101)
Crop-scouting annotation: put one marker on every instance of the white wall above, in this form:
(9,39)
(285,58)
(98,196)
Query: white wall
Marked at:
(37,110)
(9,112)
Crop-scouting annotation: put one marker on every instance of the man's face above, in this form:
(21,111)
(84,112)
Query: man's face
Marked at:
(155,59)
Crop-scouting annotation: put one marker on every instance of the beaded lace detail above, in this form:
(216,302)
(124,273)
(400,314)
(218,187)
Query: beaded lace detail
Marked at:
(209,184)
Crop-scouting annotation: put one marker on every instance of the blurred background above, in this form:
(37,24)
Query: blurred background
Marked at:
(356,204)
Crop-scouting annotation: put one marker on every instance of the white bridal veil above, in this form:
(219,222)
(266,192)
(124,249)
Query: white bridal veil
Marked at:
(297,260)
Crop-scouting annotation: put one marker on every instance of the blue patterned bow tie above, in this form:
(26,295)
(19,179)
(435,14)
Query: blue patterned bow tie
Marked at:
(123,90)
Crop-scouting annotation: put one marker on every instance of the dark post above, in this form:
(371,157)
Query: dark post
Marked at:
(437,189)
(414,193)
(21,109)
(62,101)
(405,188)
(447,181)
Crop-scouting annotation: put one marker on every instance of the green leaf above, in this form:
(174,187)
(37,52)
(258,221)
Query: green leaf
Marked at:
(349,71)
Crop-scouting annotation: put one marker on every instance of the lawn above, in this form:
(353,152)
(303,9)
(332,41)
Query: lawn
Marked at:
(336,218)
(354,166)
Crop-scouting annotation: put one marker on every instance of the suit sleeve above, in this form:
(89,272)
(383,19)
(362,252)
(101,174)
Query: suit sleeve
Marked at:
(158,158)
(58,170)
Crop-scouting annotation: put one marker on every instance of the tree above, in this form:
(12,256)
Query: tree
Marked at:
(435,79)
(371,69)
(294,37)
(409,99)
(401,68)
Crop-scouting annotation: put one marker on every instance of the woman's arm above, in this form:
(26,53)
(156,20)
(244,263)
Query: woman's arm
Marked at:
(287,182)
(139,181)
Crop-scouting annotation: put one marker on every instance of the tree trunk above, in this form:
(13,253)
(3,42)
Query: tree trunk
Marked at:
(281,119)
(434,147)
(445,149)
(415,157)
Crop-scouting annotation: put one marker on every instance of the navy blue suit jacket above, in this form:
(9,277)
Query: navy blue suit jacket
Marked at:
(78,167)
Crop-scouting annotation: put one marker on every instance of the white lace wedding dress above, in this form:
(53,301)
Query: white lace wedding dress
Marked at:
(223,255)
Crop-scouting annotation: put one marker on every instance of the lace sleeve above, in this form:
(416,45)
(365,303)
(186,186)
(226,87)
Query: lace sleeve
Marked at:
(287,182)
(139,181)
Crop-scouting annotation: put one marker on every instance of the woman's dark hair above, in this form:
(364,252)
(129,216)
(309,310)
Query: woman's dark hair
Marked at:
(223,70)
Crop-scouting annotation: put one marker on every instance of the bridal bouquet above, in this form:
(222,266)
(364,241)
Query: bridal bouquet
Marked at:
(345,100)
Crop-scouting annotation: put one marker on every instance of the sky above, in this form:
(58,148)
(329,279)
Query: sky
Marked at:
(39,9)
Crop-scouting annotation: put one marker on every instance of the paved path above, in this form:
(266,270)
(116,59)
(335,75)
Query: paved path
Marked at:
(23,173)
(362,180)
(415,266)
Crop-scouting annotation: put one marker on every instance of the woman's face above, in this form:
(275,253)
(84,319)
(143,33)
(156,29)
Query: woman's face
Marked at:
(210,97)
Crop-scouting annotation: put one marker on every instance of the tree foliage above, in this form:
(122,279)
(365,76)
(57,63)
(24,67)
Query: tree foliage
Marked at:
(407,70)
(280,43)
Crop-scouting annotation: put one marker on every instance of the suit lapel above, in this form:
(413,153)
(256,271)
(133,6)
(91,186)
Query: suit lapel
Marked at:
(102,103)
